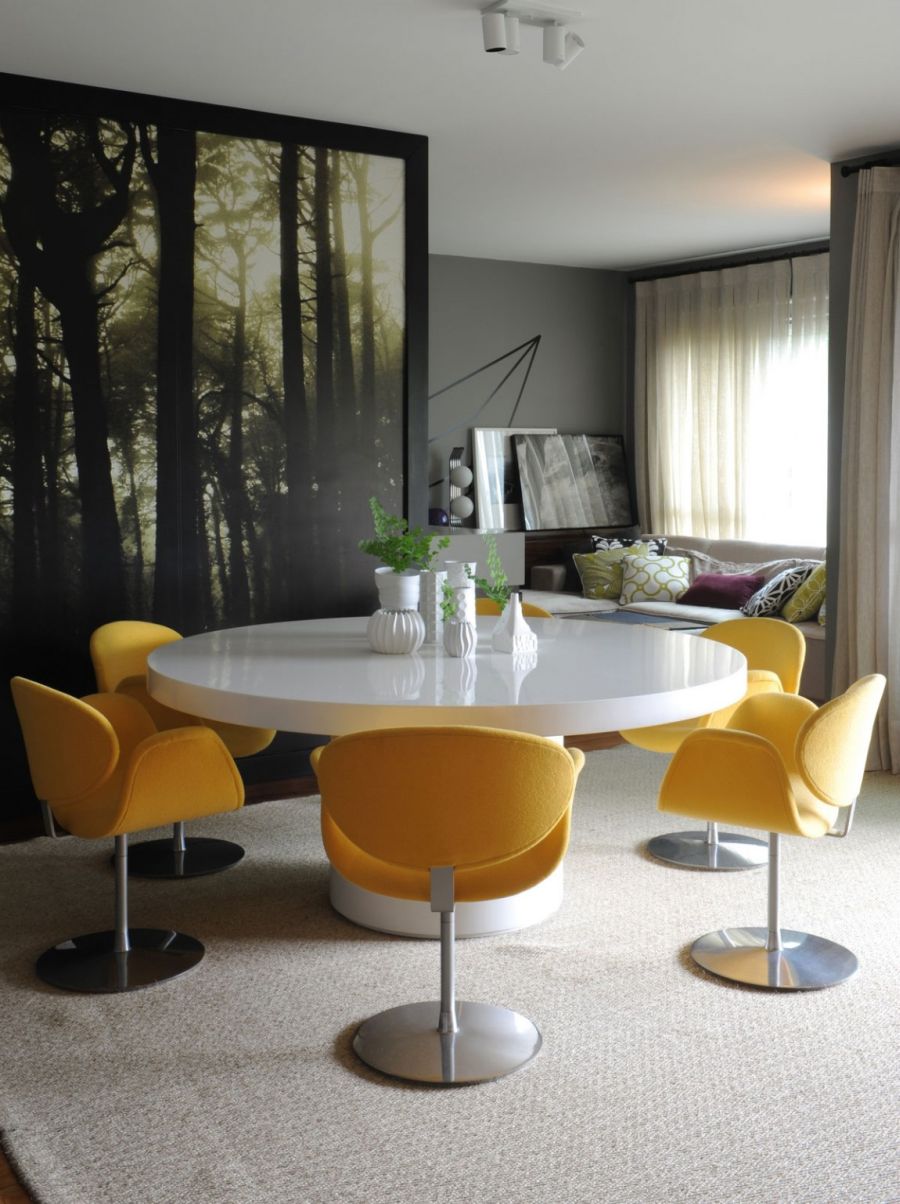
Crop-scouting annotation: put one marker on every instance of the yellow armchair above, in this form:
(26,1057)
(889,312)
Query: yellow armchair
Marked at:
(397,818)
(487,606)
(775,651)
(789,768)
(101,767)
(119,652)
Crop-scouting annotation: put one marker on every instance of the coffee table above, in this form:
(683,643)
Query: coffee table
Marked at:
(320,676)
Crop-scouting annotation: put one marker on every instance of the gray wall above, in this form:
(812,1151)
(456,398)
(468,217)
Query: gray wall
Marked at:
(482,308)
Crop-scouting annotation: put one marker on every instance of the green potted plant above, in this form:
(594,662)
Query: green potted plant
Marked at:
(397,625)
(496,587)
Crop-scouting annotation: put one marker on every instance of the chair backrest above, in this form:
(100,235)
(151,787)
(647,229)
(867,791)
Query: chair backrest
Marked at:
(120,649)
(460,796)
(833,744)
(767,644)
(487,606)
(72,749)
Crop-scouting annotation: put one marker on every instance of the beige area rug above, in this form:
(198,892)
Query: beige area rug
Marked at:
(236,1084)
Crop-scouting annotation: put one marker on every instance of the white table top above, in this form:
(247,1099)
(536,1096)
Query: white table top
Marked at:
(320,676)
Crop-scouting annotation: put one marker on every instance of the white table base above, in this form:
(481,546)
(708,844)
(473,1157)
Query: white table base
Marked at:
(409,917)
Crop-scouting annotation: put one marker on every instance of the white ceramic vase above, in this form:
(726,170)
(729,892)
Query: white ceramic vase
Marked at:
(512,633)
(460,638)
(459,576)
(431,582)
(396,628)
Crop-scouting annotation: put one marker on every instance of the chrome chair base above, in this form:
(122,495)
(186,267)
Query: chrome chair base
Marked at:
(200,855)
(731,851)
(405,1042)
(90,964)
(804,963)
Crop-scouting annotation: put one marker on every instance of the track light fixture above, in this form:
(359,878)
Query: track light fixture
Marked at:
(500,30)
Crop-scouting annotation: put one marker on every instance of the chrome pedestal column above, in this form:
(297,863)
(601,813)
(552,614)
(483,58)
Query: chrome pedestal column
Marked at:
(182,856)
(709,850)
(774,957)
(125,959)
(446,1041)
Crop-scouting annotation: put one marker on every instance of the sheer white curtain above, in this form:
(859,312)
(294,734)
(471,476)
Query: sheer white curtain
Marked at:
(731,401)
(867,637)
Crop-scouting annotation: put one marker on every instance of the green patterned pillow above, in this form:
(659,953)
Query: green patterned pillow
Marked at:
(809,597)
(822,616)
(654,578)
(601,572)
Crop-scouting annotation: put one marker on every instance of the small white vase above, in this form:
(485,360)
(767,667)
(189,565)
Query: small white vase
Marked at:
(512,633)
(395,632)
(460,638)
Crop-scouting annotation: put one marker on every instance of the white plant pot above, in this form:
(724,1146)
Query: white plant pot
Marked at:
(397,591)
(460,638)
(395,632)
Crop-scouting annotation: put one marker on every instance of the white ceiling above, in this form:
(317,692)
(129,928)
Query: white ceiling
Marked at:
(686,128)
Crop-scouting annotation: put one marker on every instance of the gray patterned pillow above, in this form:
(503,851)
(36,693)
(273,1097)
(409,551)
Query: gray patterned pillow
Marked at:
(773,595)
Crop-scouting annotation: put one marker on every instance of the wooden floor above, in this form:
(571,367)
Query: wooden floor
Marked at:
(11,1191)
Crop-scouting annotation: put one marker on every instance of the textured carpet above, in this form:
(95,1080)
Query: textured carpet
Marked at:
(236,1083)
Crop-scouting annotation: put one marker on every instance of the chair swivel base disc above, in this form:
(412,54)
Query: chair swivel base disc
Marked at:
(732,851)
(805,963)
(202,855)
(88,963)
(404,1042)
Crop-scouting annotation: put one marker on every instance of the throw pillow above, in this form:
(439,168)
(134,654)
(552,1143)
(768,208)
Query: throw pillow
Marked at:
(654,578)
(727,590)
(822,616)
(601,571)
(656,544)
(809,597)
(773,595)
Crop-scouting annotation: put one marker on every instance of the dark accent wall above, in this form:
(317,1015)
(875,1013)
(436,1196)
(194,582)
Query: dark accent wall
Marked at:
(482,309)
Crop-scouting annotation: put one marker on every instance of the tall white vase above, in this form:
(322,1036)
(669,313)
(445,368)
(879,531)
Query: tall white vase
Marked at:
(431,582)
(396,628)
(512,633)
(459,576)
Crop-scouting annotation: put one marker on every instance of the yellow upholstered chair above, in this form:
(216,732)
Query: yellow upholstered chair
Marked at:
(775,651)
(119,652)
(446,815)
(787,767)
(487,606)
(104,770)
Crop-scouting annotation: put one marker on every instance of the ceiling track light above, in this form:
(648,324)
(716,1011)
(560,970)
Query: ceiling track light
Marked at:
(500,30)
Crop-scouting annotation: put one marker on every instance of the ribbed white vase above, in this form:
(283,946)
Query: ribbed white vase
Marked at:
(460,638)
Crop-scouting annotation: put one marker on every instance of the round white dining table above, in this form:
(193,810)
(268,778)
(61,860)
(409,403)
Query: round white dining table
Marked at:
(320,676)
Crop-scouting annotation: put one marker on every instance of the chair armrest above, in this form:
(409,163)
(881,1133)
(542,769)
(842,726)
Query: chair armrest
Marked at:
(128,718)
(731,777)
(176,775)
(577,760)
(776,717)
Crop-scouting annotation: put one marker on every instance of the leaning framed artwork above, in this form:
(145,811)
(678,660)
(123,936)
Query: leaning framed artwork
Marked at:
(498,495)
(573,481)
(213,354)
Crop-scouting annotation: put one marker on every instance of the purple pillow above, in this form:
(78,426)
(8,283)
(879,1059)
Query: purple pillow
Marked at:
(727,590)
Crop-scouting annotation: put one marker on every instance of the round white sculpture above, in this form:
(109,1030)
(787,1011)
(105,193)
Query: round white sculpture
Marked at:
(461,476)
(462,506)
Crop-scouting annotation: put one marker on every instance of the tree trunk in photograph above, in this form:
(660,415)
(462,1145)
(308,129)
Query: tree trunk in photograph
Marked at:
(26,466)
(346,385)
(325,416)
(176,593)
(52,393)
(238,609)
(367,304)
(59,247)
(295,535)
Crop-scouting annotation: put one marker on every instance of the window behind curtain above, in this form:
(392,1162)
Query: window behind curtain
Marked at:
(731,401)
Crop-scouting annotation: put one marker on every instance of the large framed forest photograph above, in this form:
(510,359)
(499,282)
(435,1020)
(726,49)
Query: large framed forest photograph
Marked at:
(212,353)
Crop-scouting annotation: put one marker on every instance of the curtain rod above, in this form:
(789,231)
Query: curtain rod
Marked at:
(891,160)
(691,267)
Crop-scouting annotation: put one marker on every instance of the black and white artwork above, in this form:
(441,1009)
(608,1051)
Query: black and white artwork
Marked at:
(573,481)
(498,494)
